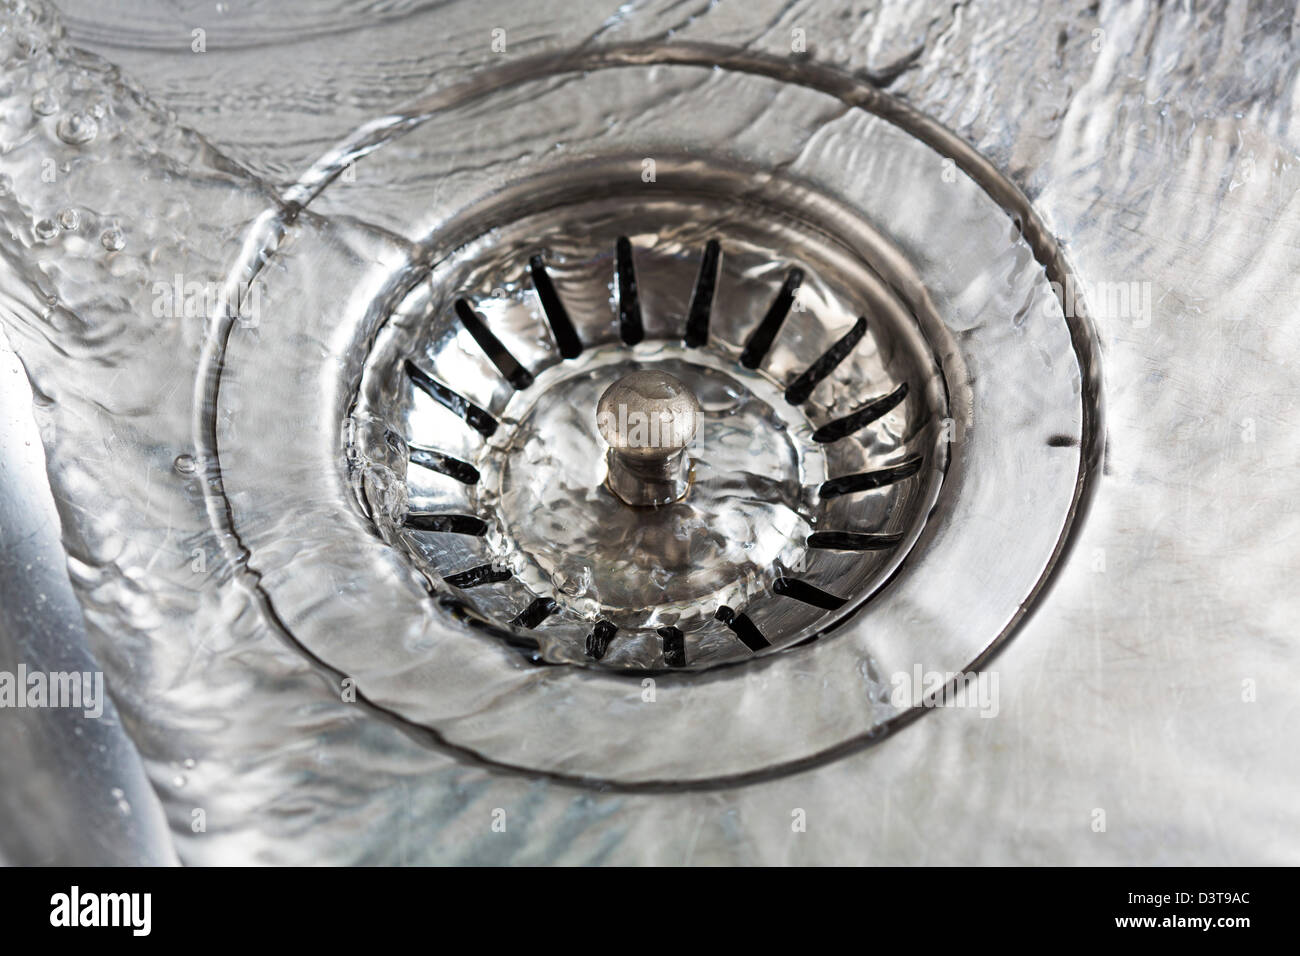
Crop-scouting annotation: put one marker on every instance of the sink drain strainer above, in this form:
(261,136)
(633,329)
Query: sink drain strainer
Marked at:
(819,439)
(879,422)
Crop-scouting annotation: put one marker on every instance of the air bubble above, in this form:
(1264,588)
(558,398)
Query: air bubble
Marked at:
(45,229)
(69,219)
(45,102)
(112,239)
(184,464)
(77,128)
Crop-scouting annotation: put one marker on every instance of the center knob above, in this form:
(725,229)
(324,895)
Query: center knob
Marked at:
(648,418)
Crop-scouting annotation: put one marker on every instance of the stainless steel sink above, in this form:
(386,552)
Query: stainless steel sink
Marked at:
(979,550)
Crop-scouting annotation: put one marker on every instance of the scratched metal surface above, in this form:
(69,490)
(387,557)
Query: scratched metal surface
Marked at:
(1154,682)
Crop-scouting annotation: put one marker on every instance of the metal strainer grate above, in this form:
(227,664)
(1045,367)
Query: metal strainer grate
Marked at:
(767,540)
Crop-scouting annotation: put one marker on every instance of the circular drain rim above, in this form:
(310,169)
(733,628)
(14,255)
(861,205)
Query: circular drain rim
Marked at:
(851,92)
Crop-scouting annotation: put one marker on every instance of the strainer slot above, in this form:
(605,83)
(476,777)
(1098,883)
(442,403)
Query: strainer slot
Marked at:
(674,646)
(557,316)
(483,574)
(743,628)
(877,408)
(476,418)
(462,471)
(869,480)
(446,523)
(538,610)
(509,367)
(807,593)
(599,638)
(629,303)
(803,386)
(852,541)
(761,339)
(706,284)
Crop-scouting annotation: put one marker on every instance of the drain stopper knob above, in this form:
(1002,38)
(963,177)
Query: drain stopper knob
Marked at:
(648,418)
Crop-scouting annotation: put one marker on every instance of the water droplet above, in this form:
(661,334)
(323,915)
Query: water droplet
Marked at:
(77,128)
(112,239)
(45,229)
(184,464)
(69,219)
(45,102)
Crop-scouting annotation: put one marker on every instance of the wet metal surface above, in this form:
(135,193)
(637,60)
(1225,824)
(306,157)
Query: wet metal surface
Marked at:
(1143,712)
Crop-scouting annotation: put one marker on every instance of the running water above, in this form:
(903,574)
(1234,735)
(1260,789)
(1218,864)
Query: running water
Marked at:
(124,230)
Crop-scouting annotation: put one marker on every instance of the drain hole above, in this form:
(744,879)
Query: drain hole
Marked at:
(674,646)
(483,574)
(598,640)
(629,305)
(506,364)
(538,610)
(761,340)
(743,628)
(462,471)
(803,386)
(843,427)
(557,316)
(807,593)
(477,418)
(697,320)
(448,524)
(868,480)
(852,541)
